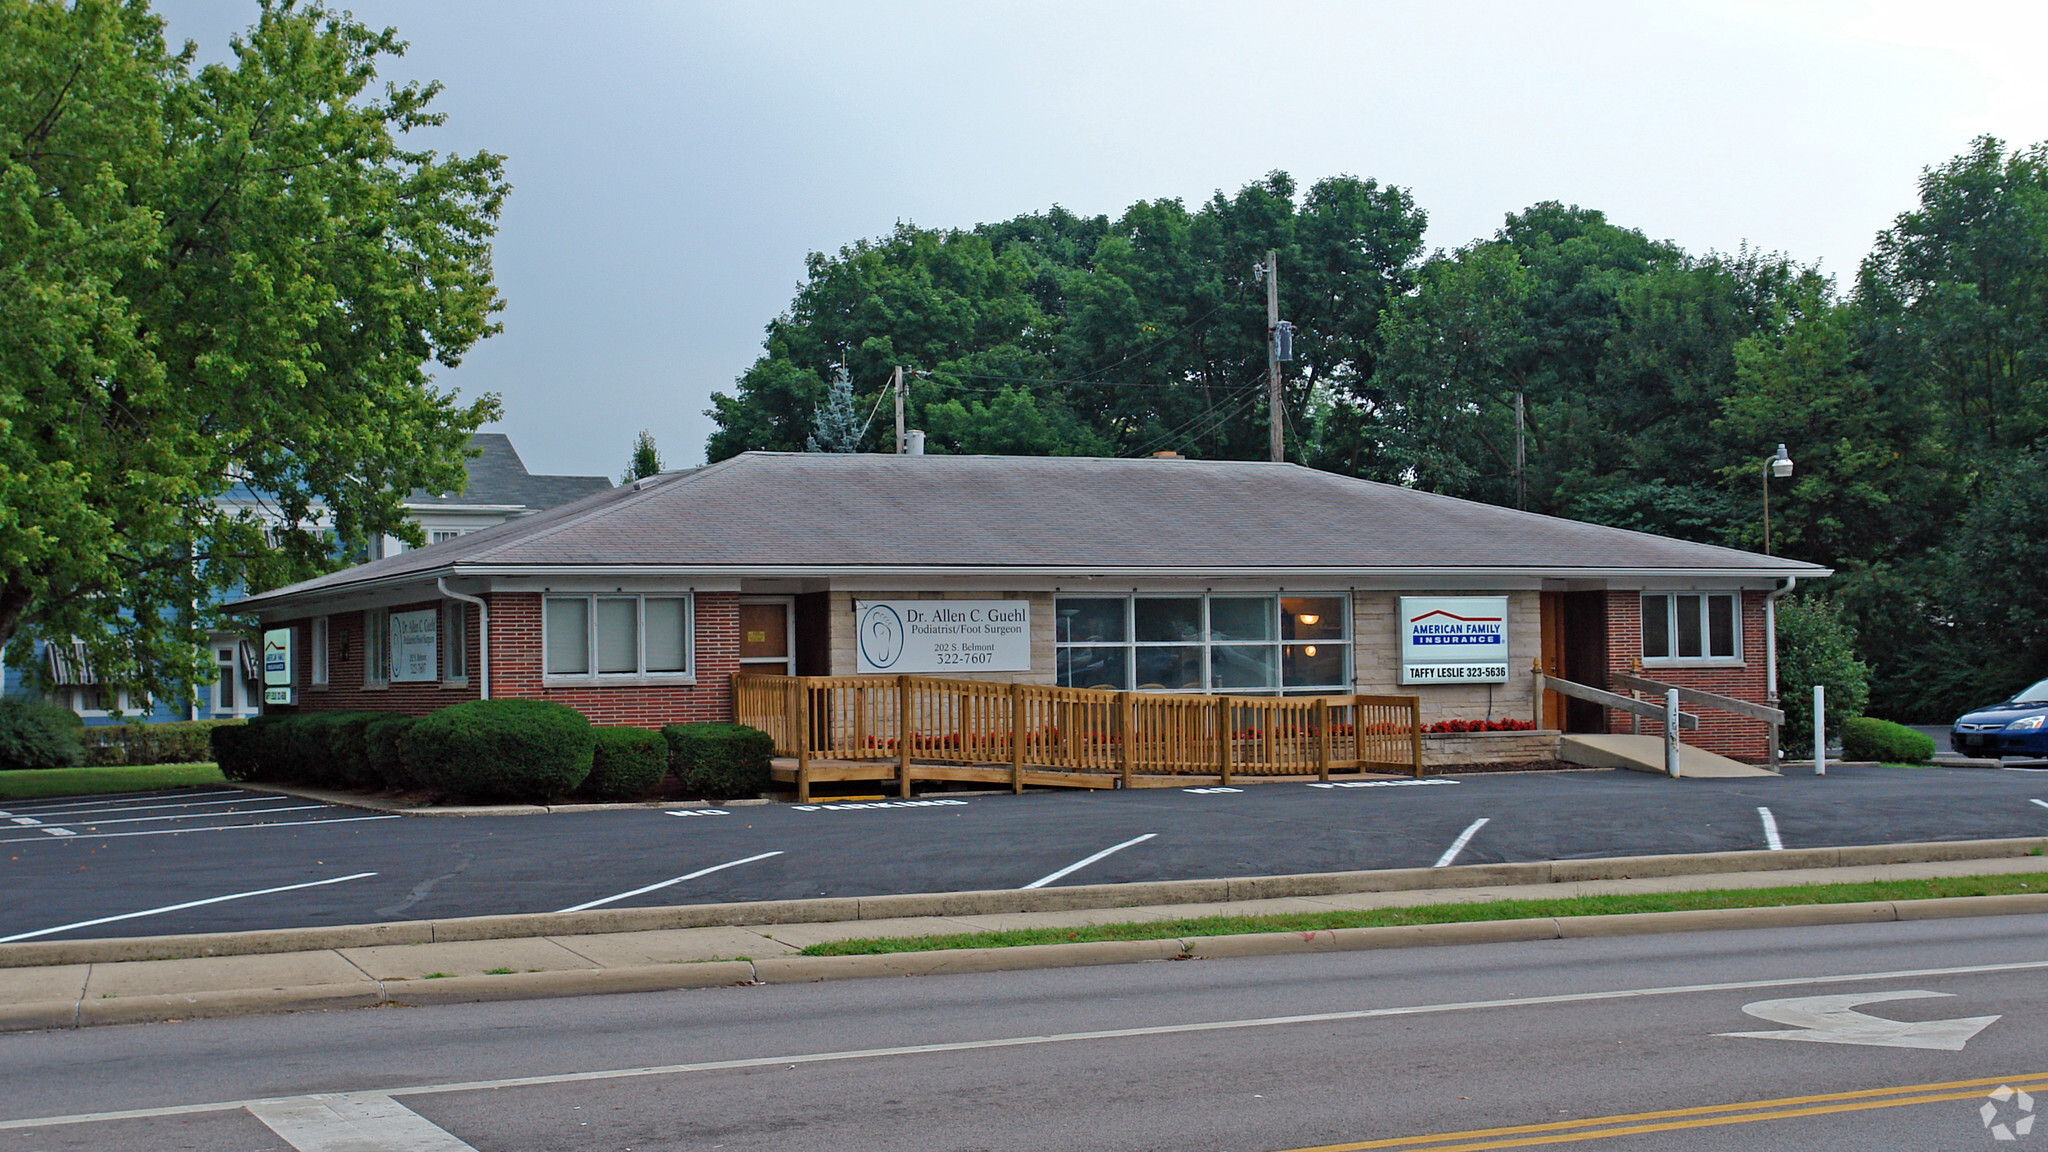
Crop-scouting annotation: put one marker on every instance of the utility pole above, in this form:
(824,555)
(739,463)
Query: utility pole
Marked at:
(896,385)
(1276,416)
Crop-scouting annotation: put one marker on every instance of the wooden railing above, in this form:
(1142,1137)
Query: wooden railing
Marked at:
(919,727)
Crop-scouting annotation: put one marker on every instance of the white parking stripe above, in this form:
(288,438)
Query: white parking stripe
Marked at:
(1458,845)
(212,828)
(353,1122)
(2042,803)
(677,880)
(86,809)
(1077,865)
(94,823)
(179,907)
(1771,840)
(1034,1040)
(119,798)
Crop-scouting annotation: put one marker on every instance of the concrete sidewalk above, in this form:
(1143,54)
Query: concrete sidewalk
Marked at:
(77,983)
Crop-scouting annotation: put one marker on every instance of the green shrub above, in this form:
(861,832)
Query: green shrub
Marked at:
(384,750)
(1816,646)
(628,762)
(720,760)
(1868,738)
(501,749)
(243,751)
(38,735)
(352,750)
(174,742)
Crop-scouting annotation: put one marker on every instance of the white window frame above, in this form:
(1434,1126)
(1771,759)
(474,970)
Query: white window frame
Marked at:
(688,674)
(246,699)
(1707,655)
(1132,645)
(454,643)
(316,652)
(376,647)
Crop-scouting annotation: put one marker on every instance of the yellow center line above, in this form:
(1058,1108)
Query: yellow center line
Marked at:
(1790,1107)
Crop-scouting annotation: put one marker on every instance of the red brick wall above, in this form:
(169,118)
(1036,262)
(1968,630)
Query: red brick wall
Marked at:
(345,691)
(516,667)
(1723,732)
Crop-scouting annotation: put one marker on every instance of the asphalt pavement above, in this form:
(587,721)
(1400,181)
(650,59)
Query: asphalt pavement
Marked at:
(1893,1035)
(220,860)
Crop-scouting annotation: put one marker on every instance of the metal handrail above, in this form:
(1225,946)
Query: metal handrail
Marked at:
(1547,683)
(1761,712)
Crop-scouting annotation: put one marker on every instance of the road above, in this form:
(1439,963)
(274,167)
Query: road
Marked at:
(1231,1056)
(224,860)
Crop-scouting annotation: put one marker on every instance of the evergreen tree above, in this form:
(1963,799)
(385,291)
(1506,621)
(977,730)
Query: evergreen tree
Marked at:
(837,425)
(645,461)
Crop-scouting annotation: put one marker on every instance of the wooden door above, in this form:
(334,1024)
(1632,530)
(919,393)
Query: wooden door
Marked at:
(764,637)
(1553,656)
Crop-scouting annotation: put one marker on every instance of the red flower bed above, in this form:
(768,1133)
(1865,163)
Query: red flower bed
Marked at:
(1481,726)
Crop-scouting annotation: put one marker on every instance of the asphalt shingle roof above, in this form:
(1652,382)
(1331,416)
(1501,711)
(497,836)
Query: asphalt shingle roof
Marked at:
(766,510)
(499,476)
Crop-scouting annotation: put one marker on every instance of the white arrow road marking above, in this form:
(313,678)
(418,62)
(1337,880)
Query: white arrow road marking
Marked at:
(352,1122)
(1458,845)
(1834,1020)
(1520,1003)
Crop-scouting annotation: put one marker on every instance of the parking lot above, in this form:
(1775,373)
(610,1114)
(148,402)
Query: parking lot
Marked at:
(224,860)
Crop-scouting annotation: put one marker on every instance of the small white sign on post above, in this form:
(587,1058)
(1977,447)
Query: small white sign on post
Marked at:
(943,636)
(414,654)
(277,666)
(1454,639)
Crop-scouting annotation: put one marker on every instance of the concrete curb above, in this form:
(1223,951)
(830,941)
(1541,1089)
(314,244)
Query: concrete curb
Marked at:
(984,903)
(578,982)
(60,1014)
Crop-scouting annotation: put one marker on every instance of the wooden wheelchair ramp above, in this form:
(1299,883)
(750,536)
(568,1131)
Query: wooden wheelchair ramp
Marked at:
(1646,754)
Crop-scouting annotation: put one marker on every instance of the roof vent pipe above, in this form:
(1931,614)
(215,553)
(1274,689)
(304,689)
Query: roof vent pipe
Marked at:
(916,442)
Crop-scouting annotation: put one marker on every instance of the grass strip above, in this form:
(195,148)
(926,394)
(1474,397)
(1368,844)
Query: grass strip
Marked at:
(1455,913)
(36,783)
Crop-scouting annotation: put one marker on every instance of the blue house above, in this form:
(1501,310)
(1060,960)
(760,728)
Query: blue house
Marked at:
(499,488)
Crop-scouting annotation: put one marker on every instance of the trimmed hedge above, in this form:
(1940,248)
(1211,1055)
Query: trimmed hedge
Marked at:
(1868,738)
(501,749)
(242,750)
(720,761)
(627,762)
(384,750)
(38,735)
(174,742)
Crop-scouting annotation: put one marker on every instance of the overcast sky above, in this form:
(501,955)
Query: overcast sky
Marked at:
(673,163)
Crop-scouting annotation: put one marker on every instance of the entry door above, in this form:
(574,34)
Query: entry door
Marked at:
(1553,657)
(765,628)
(1575,649)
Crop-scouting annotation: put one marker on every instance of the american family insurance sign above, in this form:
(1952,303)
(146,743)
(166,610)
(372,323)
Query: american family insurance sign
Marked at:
(1454,639)
(943,636)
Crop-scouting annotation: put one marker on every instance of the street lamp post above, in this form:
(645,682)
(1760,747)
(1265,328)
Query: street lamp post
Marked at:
(1781,467)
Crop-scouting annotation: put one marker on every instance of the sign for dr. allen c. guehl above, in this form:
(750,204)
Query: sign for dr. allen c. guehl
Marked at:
(1454,639)
(943,636)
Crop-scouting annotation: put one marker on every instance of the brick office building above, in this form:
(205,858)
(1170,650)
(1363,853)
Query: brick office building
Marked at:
(637,605)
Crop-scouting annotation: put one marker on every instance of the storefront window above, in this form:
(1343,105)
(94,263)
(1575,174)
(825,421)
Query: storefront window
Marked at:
(617,635)
(1690,626)
(1244,644)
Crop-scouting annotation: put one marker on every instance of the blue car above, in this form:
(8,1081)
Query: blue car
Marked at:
(2017,727)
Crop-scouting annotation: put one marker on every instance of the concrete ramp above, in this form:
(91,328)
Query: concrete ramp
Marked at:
(1646,754)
